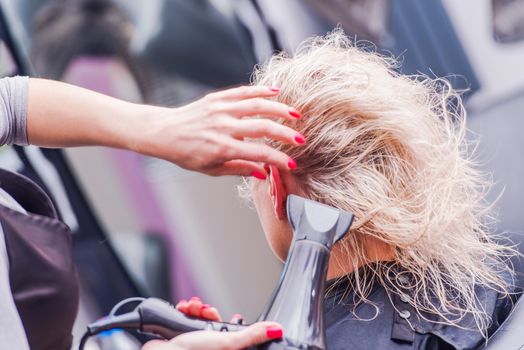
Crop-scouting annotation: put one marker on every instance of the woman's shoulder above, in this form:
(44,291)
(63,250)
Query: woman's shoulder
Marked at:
(389,321)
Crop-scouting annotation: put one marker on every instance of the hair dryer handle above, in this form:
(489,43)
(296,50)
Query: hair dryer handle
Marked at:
(161,318)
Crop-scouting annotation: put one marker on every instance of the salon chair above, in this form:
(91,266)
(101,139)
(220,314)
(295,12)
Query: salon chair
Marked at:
(499,153)
(510,335)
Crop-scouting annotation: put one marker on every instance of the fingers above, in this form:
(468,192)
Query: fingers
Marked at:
(256,128)
(210,313)
(255,334)
(251,101)
(243,168)
(245,158)
(256,152)
(243,92)
(260,106)
(183,306)
(195,308)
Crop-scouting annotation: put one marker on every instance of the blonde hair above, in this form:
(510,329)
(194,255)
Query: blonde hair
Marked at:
(391,149)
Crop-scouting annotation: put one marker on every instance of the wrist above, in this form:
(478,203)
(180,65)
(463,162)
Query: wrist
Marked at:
(138,129)
(134,127)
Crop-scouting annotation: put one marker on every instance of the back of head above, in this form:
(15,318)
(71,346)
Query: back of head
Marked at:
(390,148)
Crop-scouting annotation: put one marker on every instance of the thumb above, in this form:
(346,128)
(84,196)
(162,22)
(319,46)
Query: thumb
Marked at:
(155,345)
(257,333)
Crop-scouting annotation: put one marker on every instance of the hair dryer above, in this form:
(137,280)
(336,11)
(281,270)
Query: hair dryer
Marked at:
(296,303)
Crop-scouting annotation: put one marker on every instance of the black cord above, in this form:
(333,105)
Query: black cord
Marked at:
(113,312)
(83,340)
(123,303)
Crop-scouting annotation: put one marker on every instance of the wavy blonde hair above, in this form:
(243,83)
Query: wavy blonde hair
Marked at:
(391,149)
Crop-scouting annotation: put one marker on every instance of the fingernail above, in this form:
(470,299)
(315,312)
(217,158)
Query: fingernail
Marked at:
(292,164)
(294,113)
(299,138)
(259,175)
(196,299)
(274,88)
(274,332)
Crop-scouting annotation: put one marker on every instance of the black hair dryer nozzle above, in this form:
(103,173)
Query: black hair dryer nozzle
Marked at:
(297,301)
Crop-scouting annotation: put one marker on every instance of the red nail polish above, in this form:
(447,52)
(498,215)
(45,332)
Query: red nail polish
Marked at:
(202,308)
(274,89)
(274,332)
(195,299)
(259,175)
(300,139)
(294,113)
(292,164)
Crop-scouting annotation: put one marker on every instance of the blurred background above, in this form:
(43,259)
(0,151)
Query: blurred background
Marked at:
(146,227)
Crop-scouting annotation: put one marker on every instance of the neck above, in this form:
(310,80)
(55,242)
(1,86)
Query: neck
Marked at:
(342,263)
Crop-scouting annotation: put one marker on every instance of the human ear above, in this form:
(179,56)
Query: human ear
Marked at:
(277,192)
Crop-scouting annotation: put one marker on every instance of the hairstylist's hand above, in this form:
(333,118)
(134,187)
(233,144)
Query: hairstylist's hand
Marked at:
(257,333)
(205,136)
(208,135)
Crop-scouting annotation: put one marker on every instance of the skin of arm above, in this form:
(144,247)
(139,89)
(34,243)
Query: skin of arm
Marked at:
(206,135)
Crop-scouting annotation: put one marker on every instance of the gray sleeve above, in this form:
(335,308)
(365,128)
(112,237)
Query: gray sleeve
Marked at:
(13,109)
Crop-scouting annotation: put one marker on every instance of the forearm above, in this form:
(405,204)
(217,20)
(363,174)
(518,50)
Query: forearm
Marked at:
(62,115)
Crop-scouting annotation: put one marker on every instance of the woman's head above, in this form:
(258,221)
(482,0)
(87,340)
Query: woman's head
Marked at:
(389,148)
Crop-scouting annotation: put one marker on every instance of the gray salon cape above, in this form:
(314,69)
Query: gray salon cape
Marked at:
(393,324)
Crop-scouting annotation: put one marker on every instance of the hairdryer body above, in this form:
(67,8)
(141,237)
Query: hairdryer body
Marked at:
(297,301)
